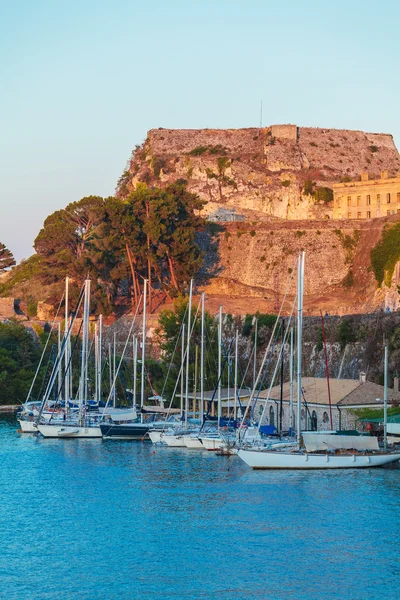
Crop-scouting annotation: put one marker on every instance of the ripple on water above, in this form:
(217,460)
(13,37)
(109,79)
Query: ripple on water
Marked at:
(91,520)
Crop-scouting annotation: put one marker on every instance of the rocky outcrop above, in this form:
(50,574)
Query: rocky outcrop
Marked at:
(260,170)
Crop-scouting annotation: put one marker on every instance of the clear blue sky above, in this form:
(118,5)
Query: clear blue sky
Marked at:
(82,82)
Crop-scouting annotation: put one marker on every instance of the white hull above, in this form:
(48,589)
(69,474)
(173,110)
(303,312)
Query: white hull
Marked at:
(174,441)
(156,437)
(212,443)
(27,426)
(69,431)
(290,460)
(192,442)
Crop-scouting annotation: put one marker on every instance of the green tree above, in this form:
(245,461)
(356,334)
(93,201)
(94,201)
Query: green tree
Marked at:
(6,258)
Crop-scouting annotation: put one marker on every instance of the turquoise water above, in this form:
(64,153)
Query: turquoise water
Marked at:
(88,519)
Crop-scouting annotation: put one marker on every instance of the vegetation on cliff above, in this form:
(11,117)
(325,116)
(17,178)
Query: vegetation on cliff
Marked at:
(386,254)
(6,258)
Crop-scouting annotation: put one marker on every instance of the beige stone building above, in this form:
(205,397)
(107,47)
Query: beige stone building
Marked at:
(367,199)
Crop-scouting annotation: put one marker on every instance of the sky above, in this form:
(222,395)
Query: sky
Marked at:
(81,82)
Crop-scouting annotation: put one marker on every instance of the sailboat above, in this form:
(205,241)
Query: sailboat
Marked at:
(320,450)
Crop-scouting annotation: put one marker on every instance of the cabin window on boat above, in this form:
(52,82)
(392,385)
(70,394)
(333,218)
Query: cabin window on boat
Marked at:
(271,416)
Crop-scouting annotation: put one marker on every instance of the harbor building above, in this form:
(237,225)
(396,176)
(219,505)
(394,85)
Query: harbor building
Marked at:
(368,198)
(347,395)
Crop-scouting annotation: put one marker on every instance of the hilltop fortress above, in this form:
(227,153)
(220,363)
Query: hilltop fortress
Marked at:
(280,171)
(278,190)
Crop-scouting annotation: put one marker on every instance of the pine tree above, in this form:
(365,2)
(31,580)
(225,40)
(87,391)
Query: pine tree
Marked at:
(6,258)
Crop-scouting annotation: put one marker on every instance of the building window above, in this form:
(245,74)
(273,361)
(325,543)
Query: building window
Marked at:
(358,200)
(349,215)
(398,197)
(368,200)
(339,202)
(378,198)
(388,198)
(358,215)
(325,417)
(388,212)
(369,214)
(348,200)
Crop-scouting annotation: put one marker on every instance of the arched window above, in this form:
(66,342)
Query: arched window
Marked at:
(314,421)
(271,416)
(325,417)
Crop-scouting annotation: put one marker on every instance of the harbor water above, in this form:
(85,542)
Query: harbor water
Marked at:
(87,519)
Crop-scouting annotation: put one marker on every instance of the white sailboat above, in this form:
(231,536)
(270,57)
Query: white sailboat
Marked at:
(318,450)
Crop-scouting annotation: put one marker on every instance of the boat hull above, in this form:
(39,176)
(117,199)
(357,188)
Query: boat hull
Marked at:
(69,431)
(212,444)
(192,442)
(127,431)
(174,441)
(27,426)
(290,460)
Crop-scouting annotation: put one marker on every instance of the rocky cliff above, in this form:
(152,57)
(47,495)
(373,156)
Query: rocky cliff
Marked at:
(256,172)
(255,182)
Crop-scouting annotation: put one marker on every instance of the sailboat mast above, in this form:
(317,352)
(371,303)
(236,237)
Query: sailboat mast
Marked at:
(202,359)
(67,353)
(96,359)
(385,397)
(99,357)
(236,374)
(143,348)
(300,276)
(182,366)
(135,348)
(84,357)
(281,380)
(188,352)
(59,383)
(114,369)
(327,370)
(255,354)
(291,383)
(219,411)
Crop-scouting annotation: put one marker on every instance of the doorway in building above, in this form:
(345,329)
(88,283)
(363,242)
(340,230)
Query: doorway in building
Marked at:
(271,416)
(314,421)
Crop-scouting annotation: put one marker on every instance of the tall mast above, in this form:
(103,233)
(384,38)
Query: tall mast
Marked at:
(135,349)
(202,359)
(143,348)
(255,353)
(59,383)
(281,380)
(291,384)
(182,366)
(99,357)
(385,398)
(84,355)
(196,362)
(300,278)
(96,360)
(188,335)
(114,369)
(327,370)
(219,412)
(67,353)
(236,374)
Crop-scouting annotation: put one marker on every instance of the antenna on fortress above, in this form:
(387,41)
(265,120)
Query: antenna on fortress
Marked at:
(261,115)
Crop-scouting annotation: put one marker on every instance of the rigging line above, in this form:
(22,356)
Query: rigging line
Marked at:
(216,387)
(181,367)
(269,344)
(276,366)
(124,350)
(66,371)
(44,349)
(173,354)
(60,356)
(253,407)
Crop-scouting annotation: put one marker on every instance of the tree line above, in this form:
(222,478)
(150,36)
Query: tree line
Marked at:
(118,243)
